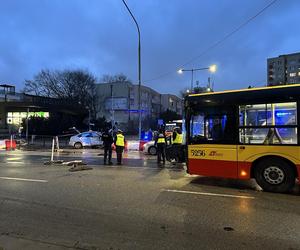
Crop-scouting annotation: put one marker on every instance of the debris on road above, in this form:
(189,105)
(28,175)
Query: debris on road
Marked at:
(70,163)
(53,162)
(77,167)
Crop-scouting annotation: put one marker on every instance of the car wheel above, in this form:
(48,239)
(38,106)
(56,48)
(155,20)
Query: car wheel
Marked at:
(78,145)
(152,150)
(274,175)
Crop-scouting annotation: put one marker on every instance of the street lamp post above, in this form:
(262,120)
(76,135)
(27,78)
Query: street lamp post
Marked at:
(27,124)
(211,68)
(112,108)
(139,67)
(89,119)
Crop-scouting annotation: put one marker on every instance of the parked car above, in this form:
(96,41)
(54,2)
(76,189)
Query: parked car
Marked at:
(86,139)
(150,148)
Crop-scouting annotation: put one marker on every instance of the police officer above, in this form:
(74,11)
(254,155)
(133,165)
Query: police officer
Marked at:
(107,139)
(120,144)
(177,144)
(160,143)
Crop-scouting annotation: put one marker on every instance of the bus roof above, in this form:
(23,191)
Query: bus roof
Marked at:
(284,93)
(248,89)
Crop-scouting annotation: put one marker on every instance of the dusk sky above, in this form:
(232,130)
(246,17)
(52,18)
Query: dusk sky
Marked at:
(100,36)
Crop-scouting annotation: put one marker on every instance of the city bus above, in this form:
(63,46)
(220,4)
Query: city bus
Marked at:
(247,133)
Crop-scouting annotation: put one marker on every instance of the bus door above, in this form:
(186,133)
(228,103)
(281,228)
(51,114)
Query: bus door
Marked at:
(216,157)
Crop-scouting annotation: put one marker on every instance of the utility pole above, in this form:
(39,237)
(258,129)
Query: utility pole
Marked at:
(27,124)
(112,107)
(89,119)
(139,67)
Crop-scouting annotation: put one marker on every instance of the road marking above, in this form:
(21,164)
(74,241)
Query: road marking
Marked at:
(14,162)
(209,194)
(13,158)
(21,179)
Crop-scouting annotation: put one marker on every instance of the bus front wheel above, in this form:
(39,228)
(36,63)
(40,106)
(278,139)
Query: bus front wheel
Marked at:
(274,175)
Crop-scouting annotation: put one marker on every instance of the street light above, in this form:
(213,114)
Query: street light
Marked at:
(88,108)
(139,66)
(212,69)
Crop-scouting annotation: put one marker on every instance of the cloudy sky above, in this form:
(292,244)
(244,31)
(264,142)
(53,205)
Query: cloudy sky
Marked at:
(100,36)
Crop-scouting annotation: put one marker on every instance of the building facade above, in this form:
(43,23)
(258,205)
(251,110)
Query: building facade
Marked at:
(118,102)
(171,102)
(284,69)
(15,107)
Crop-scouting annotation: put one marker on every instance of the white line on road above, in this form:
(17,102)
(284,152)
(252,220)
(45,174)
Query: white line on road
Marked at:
(21,179)
(209,194)
(14,162)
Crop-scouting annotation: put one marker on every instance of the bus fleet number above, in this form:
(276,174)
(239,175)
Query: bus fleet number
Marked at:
(198,152)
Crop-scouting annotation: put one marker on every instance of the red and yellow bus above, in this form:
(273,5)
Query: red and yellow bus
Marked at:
(243,134)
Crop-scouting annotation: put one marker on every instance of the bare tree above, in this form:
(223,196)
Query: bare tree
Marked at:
(77,86)
(115,78)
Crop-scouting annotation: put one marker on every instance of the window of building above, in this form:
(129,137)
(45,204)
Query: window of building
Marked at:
(131,102)
(292,62)
(274,123)
(131,93)
(293,74)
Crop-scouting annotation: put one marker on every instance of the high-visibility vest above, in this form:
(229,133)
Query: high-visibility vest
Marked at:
(120,140)
(178,139)
(161,139)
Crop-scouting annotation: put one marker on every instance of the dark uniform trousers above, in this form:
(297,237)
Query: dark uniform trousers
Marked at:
(119,151)
(177,149)
(107,153)
(161,152)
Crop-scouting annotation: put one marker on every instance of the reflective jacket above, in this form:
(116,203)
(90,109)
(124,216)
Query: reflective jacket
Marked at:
(178,139)
(161,139)
(120,141)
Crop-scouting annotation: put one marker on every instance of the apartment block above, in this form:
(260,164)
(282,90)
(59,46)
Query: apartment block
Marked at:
(284,69)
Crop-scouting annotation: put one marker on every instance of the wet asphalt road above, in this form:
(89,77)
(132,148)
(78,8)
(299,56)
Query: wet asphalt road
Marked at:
(136,206)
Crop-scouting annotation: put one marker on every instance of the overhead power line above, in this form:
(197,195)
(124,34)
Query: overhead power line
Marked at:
(217,43)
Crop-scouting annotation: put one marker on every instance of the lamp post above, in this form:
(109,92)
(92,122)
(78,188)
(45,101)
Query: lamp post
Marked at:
(27,124)
(112,108)
(89,121)
(139,66)
(212,69)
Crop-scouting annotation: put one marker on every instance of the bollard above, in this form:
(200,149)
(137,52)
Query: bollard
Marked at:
(52,151)
(57,142)
(11,138)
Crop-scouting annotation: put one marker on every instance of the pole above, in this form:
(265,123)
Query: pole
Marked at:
(140,112)
(52,150)
(112,108)
(192,82)
(57,142)
(139,66)
(89,119)
(11,142)
(27,125)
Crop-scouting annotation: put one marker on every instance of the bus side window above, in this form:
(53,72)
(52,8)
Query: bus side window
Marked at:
(273,123)
(273,134)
